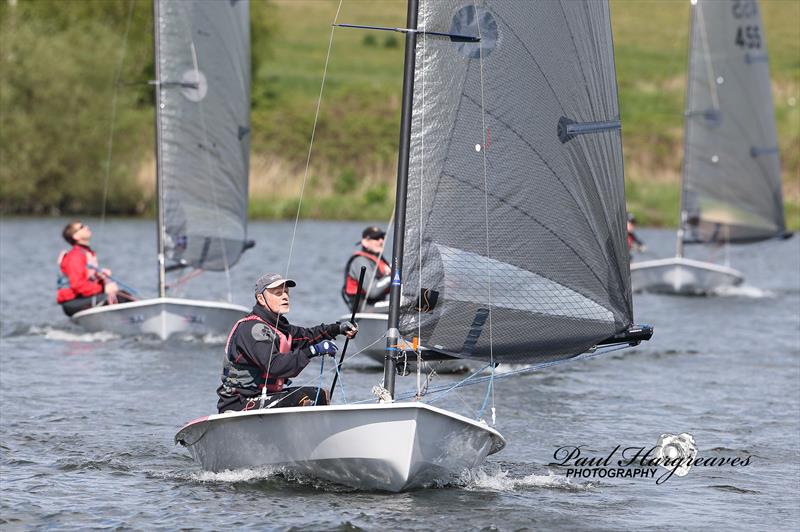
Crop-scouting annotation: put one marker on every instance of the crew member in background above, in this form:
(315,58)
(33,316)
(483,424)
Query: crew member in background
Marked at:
(634,242)
(378,274)
(264,350)
(81,283)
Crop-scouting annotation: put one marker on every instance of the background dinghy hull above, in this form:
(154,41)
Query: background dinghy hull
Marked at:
(682,276)
(370,345)
(162,317)
(391,447)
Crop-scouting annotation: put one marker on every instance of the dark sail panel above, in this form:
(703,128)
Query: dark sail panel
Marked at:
(515,229)
(204,121)
(732,185)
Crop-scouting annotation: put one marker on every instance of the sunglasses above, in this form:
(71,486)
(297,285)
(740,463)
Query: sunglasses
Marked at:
(382,237)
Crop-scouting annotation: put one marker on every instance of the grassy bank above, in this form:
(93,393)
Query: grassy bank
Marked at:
(352,167)
(355,144)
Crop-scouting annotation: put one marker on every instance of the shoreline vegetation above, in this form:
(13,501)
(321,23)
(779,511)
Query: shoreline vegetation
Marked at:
(59,62)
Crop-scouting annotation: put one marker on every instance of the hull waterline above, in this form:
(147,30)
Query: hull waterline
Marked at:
(162,317)
(390,447)
(682,276)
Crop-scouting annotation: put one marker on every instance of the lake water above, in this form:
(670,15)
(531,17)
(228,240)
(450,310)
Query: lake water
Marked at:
(87,420)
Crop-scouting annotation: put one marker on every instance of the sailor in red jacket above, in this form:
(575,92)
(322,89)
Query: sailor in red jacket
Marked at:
(378,274)
(80,284)
(634,242)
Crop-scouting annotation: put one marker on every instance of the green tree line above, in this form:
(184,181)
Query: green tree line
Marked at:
(76,105)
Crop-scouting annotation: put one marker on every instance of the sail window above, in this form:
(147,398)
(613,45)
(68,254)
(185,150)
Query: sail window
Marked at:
(478,22)
(194,85)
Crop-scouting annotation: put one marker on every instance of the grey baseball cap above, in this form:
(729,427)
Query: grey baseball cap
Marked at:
(271,280)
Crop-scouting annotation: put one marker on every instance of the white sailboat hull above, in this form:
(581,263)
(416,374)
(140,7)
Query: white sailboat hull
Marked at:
(392,447)
(162,317)
(370,344)
(678,275)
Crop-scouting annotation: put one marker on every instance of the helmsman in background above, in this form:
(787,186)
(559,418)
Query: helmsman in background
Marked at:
(378,275)
(634,242)
(82,284)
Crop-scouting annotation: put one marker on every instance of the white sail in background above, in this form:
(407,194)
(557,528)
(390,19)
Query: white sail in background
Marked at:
(732,184)
(204,129)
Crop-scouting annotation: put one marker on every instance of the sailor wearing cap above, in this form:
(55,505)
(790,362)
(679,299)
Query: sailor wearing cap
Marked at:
(264,350)
(378,274)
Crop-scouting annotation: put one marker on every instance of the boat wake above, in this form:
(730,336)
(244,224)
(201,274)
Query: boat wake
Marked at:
(61,335)
(499,480)
(743,290)
(238,475)
(271,474)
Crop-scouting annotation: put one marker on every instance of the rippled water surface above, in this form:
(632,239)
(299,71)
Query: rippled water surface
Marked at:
(87,420)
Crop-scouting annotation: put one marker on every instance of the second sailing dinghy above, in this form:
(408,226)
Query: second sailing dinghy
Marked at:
(731,186)
(509,242)
(202,58)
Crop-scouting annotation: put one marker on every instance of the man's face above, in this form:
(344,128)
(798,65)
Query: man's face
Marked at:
(276,299)
(82,234)
(375,245)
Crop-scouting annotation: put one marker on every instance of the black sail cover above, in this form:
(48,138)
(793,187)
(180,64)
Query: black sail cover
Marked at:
(204,120)
(732,184)
(515,233)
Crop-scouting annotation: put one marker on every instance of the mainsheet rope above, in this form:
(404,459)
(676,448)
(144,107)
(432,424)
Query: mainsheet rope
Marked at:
(419,211)
(305,178)
(110,145)
(490,386)
(474,379)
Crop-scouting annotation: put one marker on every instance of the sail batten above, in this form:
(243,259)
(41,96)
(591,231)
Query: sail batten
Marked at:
(204,121)
(731,180)
(515,238)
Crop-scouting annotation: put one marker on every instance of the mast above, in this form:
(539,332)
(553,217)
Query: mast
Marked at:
(686,117)
(159,182)
(393,334)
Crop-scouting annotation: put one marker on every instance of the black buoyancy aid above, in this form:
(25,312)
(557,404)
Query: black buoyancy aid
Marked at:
(351,284)
(245,378)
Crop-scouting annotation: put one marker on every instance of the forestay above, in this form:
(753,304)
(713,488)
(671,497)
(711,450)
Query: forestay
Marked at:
(516,210)
(204,129)
(732,186)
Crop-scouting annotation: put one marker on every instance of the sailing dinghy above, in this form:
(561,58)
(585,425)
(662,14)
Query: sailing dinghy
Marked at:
(202,58)
(510,171)
(731,185)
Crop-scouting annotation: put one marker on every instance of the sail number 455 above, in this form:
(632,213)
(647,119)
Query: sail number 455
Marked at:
(748,37)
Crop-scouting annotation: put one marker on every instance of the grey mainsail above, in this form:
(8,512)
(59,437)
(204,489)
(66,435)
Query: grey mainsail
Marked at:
(203,61)
(731,179)
(515,229)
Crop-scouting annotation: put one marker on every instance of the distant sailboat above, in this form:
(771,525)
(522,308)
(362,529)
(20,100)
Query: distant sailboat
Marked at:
(509,243)
(731,186)
(202,58)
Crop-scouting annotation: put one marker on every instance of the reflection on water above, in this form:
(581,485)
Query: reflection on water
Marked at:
(87,420)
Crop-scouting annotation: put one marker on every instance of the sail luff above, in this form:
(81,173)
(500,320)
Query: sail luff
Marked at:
(162,285)
(392,335)
(684,167)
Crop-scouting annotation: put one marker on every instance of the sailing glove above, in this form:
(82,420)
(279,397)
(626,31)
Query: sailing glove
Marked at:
(325,347)
(346,327)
